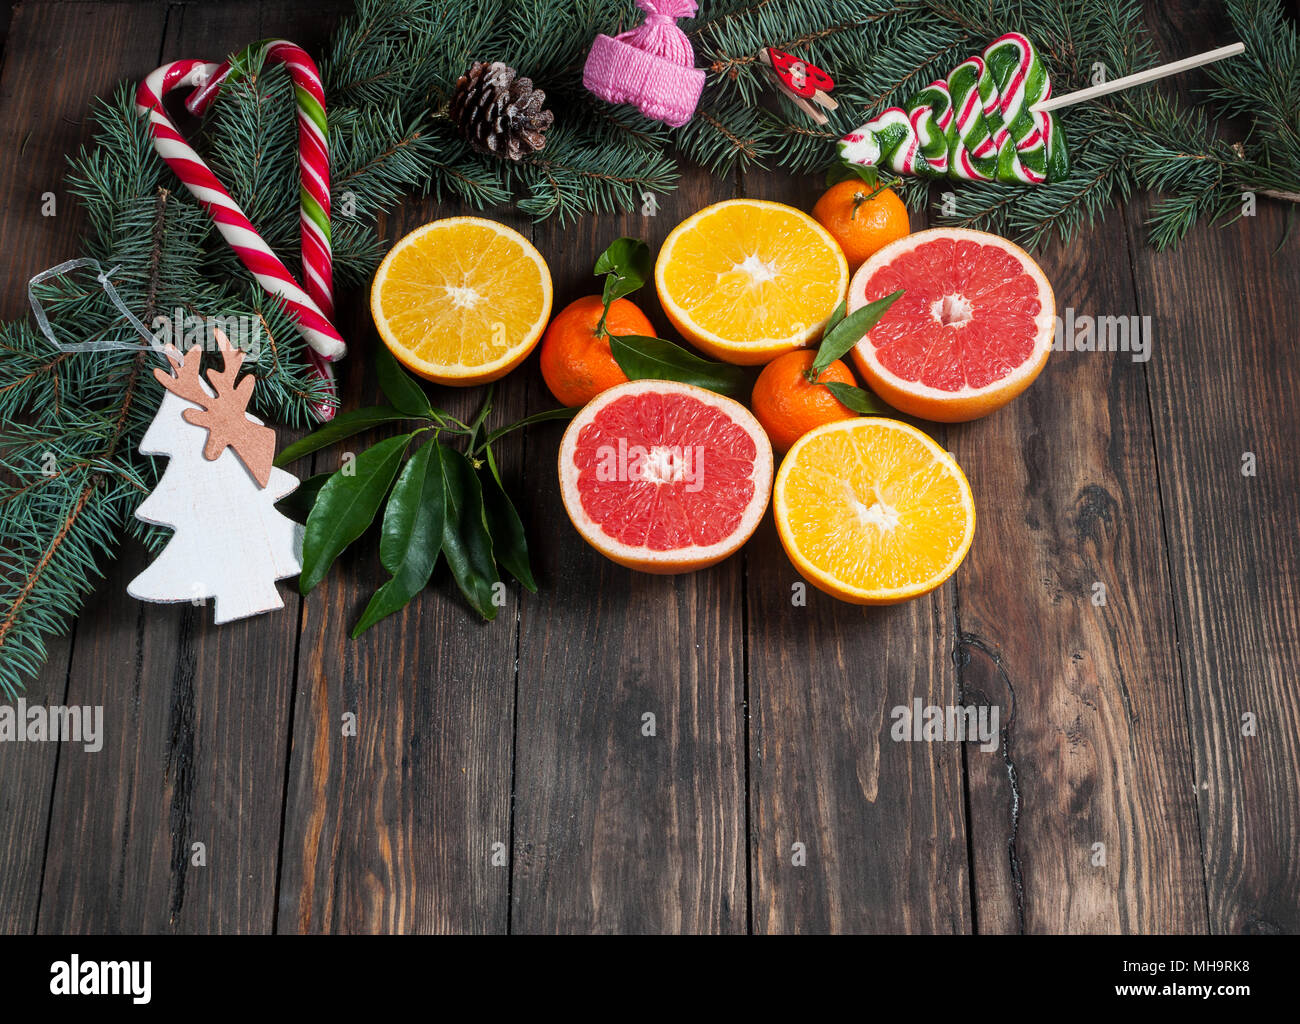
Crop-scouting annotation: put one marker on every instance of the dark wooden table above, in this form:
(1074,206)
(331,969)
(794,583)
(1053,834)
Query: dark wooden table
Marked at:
(499,779)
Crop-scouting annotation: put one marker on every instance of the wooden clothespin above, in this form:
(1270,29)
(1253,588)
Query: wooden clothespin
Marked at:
(800,81)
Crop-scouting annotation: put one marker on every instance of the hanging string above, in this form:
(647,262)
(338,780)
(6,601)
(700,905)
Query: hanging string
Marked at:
(102,276)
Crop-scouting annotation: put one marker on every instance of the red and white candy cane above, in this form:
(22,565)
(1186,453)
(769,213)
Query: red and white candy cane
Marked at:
(313,307)
(313,158)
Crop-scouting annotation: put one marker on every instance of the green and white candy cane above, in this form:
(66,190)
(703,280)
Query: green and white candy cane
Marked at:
(978,125)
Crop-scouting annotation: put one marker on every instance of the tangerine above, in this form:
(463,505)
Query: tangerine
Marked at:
(863,224)
(788,404)
(577,363)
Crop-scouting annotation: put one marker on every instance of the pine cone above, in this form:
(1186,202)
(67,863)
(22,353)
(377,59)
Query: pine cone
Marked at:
(499,113)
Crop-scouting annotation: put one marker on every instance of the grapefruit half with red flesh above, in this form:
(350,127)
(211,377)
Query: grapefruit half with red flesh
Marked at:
(972,329)
(665,477)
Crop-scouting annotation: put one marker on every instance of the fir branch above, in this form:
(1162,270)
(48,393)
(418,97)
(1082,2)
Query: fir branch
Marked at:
(627,121)
(1264,85)
(576,174)
(51,586)
(730,38)
(725,135)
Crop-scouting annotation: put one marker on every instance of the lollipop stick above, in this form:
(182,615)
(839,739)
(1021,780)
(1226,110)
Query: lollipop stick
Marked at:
(1142,77)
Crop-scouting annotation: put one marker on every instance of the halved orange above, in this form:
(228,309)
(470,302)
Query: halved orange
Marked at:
(747,280)
(873,511)
(461,301)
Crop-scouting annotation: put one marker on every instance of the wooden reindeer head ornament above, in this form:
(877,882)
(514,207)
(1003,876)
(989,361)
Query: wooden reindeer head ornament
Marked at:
(222,406)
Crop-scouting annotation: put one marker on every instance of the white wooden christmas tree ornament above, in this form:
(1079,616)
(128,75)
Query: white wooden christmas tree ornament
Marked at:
(218,493)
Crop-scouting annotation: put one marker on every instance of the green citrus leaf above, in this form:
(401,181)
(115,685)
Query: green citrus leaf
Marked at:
(297,505)
(398,386)
(849,331)
(411,536)
(477,424)
(509,544)
(346,505)
(626,265)
(845,171)
(643,358)
(562,413)
(837,314)
(875,182)
(465,538)
(345,424)
(491,462)
(860,401)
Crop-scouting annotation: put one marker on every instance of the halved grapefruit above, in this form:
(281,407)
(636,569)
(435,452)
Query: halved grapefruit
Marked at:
(665,477)
(971,331)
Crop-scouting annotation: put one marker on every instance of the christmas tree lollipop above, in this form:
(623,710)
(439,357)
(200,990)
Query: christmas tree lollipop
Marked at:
(990,119)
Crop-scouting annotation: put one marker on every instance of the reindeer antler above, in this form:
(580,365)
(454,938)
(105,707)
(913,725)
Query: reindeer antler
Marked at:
(222,407)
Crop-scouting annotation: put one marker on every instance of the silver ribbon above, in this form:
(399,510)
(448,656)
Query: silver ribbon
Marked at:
(102,276)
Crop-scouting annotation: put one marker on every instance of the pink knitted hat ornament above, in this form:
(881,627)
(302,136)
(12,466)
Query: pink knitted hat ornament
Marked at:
(652,66)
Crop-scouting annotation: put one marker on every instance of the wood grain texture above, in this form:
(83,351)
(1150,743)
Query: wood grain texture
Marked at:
(1223,382)
(526,732)
(882,822)
(616,831)
(1095,735)
(406,826)
(197,715)
(45,94)
(28,771)
(41,118)
(1223,386)
(393,830)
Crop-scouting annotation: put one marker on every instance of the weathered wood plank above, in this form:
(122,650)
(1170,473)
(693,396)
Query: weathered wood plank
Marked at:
(881,822)
(404,827)
(1095,737)
(616,831)
(42,118)
(46,92)
(28,770)
(1223,383)
(197,715)
(392,830)
(1222,386)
